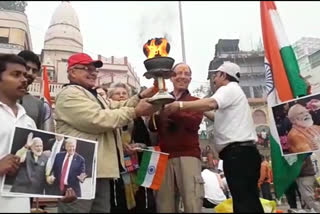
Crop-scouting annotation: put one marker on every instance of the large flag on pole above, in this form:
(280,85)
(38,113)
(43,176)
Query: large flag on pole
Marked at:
(46,91)
(48,123)
(152,168)
(283,83)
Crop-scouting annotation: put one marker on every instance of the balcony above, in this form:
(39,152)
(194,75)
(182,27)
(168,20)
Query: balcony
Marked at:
(109,78)
(6,48)
(54,88)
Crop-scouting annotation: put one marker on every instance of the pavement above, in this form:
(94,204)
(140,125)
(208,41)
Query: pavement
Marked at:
(281,205)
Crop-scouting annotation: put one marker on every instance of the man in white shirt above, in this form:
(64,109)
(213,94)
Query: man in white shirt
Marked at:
(13,86)
(56,143)
(213,189)
(235,135)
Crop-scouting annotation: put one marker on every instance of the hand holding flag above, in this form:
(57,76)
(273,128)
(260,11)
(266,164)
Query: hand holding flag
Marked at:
(152,168)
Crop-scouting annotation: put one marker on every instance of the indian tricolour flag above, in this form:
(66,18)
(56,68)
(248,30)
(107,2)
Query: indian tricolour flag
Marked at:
(152,168)
(283,83)
(45,96)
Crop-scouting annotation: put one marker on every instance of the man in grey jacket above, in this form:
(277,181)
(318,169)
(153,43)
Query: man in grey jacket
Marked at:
(36,108)
(31,175)
(306,183)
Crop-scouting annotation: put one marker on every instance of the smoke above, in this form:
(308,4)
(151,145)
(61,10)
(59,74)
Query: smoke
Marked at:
(158,21)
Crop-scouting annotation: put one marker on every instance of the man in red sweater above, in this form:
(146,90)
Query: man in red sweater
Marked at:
(178,136)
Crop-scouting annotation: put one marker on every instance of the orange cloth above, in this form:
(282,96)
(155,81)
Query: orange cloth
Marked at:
(265,173)
(300,139)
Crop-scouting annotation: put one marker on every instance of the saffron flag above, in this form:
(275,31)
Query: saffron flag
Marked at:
(152,168)
(283,83)
(48,124)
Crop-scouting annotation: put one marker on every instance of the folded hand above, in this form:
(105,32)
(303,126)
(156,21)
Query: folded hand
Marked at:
(50,179)
(69,196)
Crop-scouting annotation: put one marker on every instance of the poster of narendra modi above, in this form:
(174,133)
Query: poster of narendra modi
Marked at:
(51,164)
(298,125)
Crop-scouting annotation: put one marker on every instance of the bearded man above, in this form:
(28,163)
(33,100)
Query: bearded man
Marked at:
(304,136)
(31,175)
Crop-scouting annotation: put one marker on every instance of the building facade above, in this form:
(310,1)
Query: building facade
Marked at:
(307,51)
(62,39)
(117,70)
(14,32)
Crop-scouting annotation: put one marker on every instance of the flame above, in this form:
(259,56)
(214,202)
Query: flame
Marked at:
(156,47)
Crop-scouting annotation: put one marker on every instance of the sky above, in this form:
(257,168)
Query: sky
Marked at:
(111,28)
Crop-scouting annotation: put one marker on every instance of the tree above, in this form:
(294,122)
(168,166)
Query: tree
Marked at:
(14,5)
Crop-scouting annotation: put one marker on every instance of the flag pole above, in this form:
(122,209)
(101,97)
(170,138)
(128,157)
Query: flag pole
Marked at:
(149,150)
(182,34)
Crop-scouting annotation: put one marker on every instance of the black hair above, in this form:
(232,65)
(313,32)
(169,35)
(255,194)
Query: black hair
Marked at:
(30,56)
(181,63)
(10,58)
(231,78)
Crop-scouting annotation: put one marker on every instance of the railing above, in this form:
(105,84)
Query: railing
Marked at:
(11,46)
(54,88)
(123,78)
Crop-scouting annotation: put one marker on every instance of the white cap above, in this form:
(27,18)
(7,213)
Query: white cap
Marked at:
(230,68)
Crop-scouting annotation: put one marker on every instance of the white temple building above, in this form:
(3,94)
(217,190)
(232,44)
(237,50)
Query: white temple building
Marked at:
(62,39)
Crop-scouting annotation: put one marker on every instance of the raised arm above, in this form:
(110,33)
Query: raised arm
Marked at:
(80,111)
(201,105)
(22,153)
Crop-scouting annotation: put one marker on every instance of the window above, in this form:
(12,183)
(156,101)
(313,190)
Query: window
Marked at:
(51,75)
(17,36)
(257,91)
(259,117)
(4,32)
(246,90)
(4,40)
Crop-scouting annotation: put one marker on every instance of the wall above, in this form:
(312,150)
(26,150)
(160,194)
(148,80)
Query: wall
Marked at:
(14,26)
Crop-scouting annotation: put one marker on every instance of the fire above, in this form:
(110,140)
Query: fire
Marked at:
(156,47)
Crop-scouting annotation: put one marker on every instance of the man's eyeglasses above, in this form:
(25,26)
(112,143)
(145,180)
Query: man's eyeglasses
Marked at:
(86,68)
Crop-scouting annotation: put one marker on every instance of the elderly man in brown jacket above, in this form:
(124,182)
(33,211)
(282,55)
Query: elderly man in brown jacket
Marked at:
(81,112)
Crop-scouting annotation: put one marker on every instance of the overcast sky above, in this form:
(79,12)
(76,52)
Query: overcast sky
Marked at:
(121,28)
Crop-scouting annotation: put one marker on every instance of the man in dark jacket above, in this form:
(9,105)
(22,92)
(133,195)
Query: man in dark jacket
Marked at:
(178,136)
(31,175)
(68,169)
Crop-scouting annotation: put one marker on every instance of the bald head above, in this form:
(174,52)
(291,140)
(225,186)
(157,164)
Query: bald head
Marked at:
(182,64)
(182,77)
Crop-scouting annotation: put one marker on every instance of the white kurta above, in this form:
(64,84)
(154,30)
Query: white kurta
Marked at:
(9,121)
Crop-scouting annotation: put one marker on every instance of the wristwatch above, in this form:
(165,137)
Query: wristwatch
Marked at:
(139,96)
(180,105)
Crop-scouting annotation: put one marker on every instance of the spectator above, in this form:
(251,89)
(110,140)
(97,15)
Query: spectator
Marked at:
(235,135)
(178,136)
(82,113)
(265,179)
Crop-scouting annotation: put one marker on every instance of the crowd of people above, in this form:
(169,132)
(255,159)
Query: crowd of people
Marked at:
(122,123)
